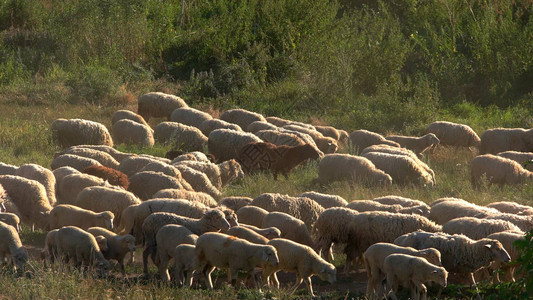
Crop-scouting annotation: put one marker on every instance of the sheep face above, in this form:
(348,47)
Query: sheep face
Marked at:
(432,255)
(128,242)
(328,273)
(439,276)
(217,220)
(273,233)
(102,268)
(107,219)
(270,256)
(20,258)
(498,252)
(102,243)
(231,217)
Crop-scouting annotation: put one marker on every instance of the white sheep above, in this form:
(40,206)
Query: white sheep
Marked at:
(498,170)
(196,156)
(453,134)
(225,251)
(475,228)
(30,199)
(185,262)
(189,116)
(497,140)
(210,125)
(49,251)
(200,197)
(523,222)
(241,117)
(329,131)
(402,169)
(225,144)
(374,258)
(157,104)
(416,144)
(268,232)
(71,185)
(333,226)
(277,121)
(260,125)
(354,169)
(248,234)
(278,137)
(371,205)
(235,202)
(42,175)
(188,138)
(134,164)
(7,169)
(132,133)
(60,173)
(117,245)
(79,163)
(11,246)
(70,215)
(446,209)
(163,131)
(145,184)
(405,202)
(325,200)
(168,238)
(161,167)
(251,215)
(325,144)
(128,115)
(291,228)
(294,257)
(360,139)
(102,157)
(198,181)
(72,132)
(118,155)
(10,219)
(413,272)
(511,207)
(508,240)
(307,139)
(519,157)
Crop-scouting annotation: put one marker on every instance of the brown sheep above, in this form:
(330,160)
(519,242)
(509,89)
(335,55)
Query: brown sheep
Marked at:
(112,176)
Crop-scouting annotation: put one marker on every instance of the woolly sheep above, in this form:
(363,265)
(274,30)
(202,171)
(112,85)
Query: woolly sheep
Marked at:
(248,234)
(168,238)
(225,144)
(519,157)
(134,164)
(132,133)
(279,138)
(104,158)
(198,181)
(402,169)
(11,246)
(260,125)
(145,184)
(30,199)
(325,144)
(268,232)
(508,240)
(100,199)
(200,197)
(371,205)
(185,262)
(411,271)
(340,167)
(60,173)
(306,138)
(453,134)
(374,258)
(360,139)
(6,169)
(71,185)
(241,117)
(252,215)
(525,223)
(72,132)
(117,245)
(41,175)
(224,251)
(475,228)
(10,219)
(405,202)
(79,163)
(163,131)
(192,156)
(230,170)
(235,202)
(189,116)
(112,176)
(511,207)
(498,170)
(188,138)
(81,247)
(497,140)
(416,144)
(125,114)
(210,125)
(70,215)
(159,166)
(117,155)
(325,200)
(49,251)
(277,121)
(333,226)
(301,208)
(328,131)
(291,228)
(451,208)
(157,104)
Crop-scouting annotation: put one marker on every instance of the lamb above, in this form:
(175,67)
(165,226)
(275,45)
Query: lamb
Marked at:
(127,115)
(30,199)
(81,247)
(277,121)
(301,208)
(241,117)
(334,225)
(117,245)
(225,144)
(277,159)
(156,104)
(41,175)
(402,169)
(104,158)
(71,185)
(189,116)
(235,203)
(185,262)
(224,251)
(210,125)
(451,208)
(11,246)
(10,219)
(251,215)
(294,257)
(100,199)
(325,200)
(198,181)
(453,134)
(497,140)
(200,197)
(360,139)
(132,133)
(511,207)
(475,228)
(411,271)
(167,239)
(72,132)
(498,170)
(248,234)
(70,215)
(340,167)
(112,176)
(260,125)
(134,164)
(145,184)
(371,205)
(6,169)
(79,163)
(519,157)
(524,223)
(416,144)
(290,227)
(508,240)
(374,258)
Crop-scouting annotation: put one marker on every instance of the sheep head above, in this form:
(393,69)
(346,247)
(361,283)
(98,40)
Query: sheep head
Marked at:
(106,218)
(270,255)
(328,272)
(215,220)
(497,251)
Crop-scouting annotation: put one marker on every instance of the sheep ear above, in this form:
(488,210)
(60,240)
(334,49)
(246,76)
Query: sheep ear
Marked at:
(434,271)
(488,246)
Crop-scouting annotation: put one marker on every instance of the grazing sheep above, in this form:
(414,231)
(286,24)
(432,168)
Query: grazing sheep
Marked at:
(307,139)
(104,158)
(374,258)
(507,239)
(405,202)
(198,181)
(497,140)
(325,144)
(416,144)
(268,232)
(185,262)
(225,251)
(196,156)
(277,159)
(188,138)
(411,271)
(117,245)
(225,144)
(241,117)
(248,234)
(371,205)
(325,200)
(11,246)
(6,169)
(189,116)
(10,219)
(475,228)
(519,157)
(200,197)
(329,131)
(291,228)
(71,185)
(360,139)
(117,155)
(453,134)
(211,125)
(498,170)
(72,132)
(145,184)
(114,177)
(451,208)
(49,251)
(101,198)
(340,167)
(294,257)
(230,170)
(168,238)
(511,207)
(134,164)
(402,169)
(251,215)
(132,133)
(70,215)
(235,203)
(279,138)
(161,167)
(301,208)
(30,199)
(81,247)
(60,173)
(156,104)
(260,125)
(79,163)
(127,115)
(41,175)
(277,121)
(334,225)
(524,223)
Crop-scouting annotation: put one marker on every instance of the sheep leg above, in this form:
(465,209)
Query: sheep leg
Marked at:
(233,276)
(299,281)
(509,274)
(308,285)
(188,278)
(420,289)
(146,254)
(267,272)
(391,287)
(473,284)
(178,273)
(274,279)
(122,268)
(207,275)
(163,267)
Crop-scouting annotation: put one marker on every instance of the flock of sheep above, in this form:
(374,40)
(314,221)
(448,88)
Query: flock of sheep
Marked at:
(173,206)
